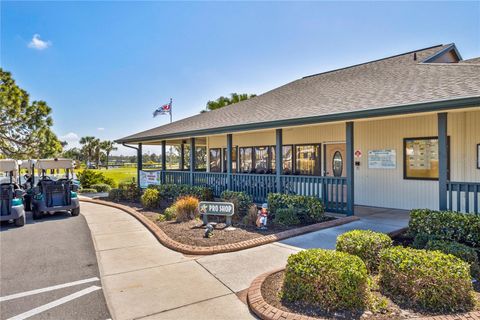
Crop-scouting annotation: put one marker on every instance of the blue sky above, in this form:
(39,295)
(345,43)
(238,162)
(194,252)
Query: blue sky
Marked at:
(104,66)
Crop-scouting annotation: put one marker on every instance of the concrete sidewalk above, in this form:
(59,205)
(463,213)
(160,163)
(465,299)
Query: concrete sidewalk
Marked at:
(143,279)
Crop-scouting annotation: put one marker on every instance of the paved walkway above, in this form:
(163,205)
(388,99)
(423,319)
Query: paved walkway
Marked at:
(143,279)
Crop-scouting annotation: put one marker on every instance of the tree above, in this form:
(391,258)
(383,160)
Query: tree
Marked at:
(24,127)
(88,147)
(108,146)
(225,101)
(73,153)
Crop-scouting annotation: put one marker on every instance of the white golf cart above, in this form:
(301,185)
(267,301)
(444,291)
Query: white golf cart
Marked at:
(55,190)
(11,196)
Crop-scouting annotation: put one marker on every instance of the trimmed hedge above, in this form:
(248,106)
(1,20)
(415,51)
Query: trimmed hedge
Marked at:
(330,279)
(88,178)
(365,244)
(101,187)
(241,201)
(150,198)
(130,191)
(174,191)
(308,209)
(446,225)
(430,280)
(459,250)
(115,195)
(286,217)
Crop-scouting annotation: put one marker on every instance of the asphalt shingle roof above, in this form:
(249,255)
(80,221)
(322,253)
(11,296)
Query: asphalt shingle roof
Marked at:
(390,82)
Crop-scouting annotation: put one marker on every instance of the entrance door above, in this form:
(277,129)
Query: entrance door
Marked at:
(334,166)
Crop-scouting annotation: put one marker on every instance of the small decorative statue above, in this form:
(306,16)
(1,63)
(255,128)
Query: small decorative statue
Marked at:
(208,231)
(262,217)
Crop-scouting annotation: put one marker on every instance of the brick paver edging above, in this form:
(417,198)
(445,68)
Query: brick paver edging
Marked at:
(196,250)
(265,311)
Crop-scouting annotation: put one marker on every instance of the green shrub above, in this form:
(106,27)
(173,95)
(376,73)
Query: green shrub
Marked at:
(308,209)
(101,187)
(174,191)
(186,208)
(149,198)
(87,190)
(330,279)
(430,280)
(286,217)
(446,225)
(421,240)
(130,191)
(459,250)
(170,213)
(365,244)
(240,200)
(88,178)
(115,195)
(250,218)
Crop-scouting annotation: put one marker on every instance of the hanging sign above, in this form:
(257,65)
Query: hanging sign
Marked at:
(148,178)
(382,159)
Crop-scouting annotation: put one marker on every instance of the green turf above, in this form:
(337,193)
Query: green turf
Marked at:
(118,174)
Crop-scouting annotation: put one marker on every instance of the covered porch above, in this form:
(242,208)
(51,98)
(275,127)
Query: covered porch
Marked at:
(230,166)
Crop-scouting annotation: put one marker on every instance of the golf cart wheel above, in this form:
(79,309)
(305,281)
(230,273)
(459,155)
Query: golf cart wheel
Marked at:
(28,204)
(75,212)
(36,213)
(20,221)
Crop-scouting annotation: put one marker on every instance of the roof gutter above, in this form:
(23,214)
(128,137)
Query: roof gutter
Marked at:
(353,115)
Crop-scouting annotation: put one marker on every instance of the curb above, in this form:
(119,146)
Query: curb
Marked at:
(168,242)
(265,311)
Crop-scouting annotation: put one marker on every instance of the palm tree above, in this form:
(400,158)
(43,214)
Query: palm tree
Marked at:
(108,146)
(97,151)
(88,144)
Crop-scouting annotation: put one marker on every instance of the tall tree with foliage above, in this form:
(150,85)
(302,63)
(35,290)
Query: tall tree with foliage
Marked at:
(108,146)
(225,101)
(24,127)
(88,147)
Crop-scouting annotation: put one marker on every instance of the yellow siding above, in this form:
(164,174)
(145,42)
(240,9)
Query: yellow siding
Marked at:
(386,187)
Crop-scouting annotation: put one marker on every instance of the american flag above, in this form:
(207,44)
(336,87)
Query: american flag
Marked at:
(166,108)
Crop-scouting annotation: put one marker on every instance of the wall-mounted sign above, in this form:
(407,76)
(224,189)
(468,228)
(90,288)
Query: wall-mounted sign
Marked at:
(148,178)
(358,153)
(382,159)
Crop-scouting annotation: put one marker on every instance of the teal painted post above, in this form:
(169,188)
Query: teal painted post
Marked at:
(164,160)
(350,168)
(229,161)
(139,163)
(278,159)
(442,160)
(182,156)
(192,160)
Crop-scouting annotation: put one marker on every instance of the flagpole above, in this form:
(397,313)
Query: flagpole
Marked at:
(170,110)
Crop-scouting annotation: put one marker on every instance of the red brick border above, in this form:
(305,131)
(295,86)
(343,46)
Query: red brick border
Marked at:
(265,311)
(196,250)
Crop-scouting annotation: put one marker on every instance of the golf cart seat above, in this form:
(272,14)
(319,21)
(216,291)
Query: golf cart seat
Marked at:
(11,196)
(56,193)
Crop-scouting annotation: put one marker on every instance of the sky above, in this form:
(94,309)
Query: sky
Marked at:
(104,67)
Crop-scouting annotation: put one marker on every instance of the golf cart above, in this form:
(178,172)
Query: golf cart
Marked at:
(53,192)
(11,202)
(28,182)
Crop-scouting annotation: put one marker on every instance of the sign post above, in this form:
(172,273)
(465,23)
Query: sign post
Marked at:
(209,208)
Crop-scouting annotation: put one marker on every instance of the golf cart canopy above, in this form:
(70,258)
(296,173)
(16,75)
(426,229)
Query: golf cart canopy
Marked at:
(9,165)
(45,164)
(26,164)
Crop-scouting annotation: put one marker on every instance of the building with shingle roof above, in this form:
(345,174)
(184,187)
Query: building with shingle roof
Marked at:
(398,132)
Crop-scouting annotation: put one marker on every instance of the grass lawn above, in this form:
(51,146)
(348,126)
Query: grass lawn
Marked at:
(118,174)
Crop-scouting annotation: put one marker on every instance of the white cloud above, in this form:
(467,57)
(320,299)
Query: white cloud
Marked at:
(38,44)
(71,138)
(100,129)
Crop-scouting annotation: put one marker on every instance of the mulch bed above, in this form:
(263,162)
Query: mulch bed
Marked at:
(272,286)
(192,232)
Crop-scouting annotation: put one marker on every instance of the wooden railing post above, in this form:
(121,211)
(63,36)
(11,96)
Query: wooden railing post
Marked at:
(164,160)
(229,161)
(442,160)
(350,167)
(139,163)
(182,156)
(192,160)
(278,159)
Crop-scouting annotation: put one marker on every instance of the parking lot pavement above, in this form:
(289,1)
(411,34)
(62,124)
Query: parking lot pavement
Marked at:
(48,270)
